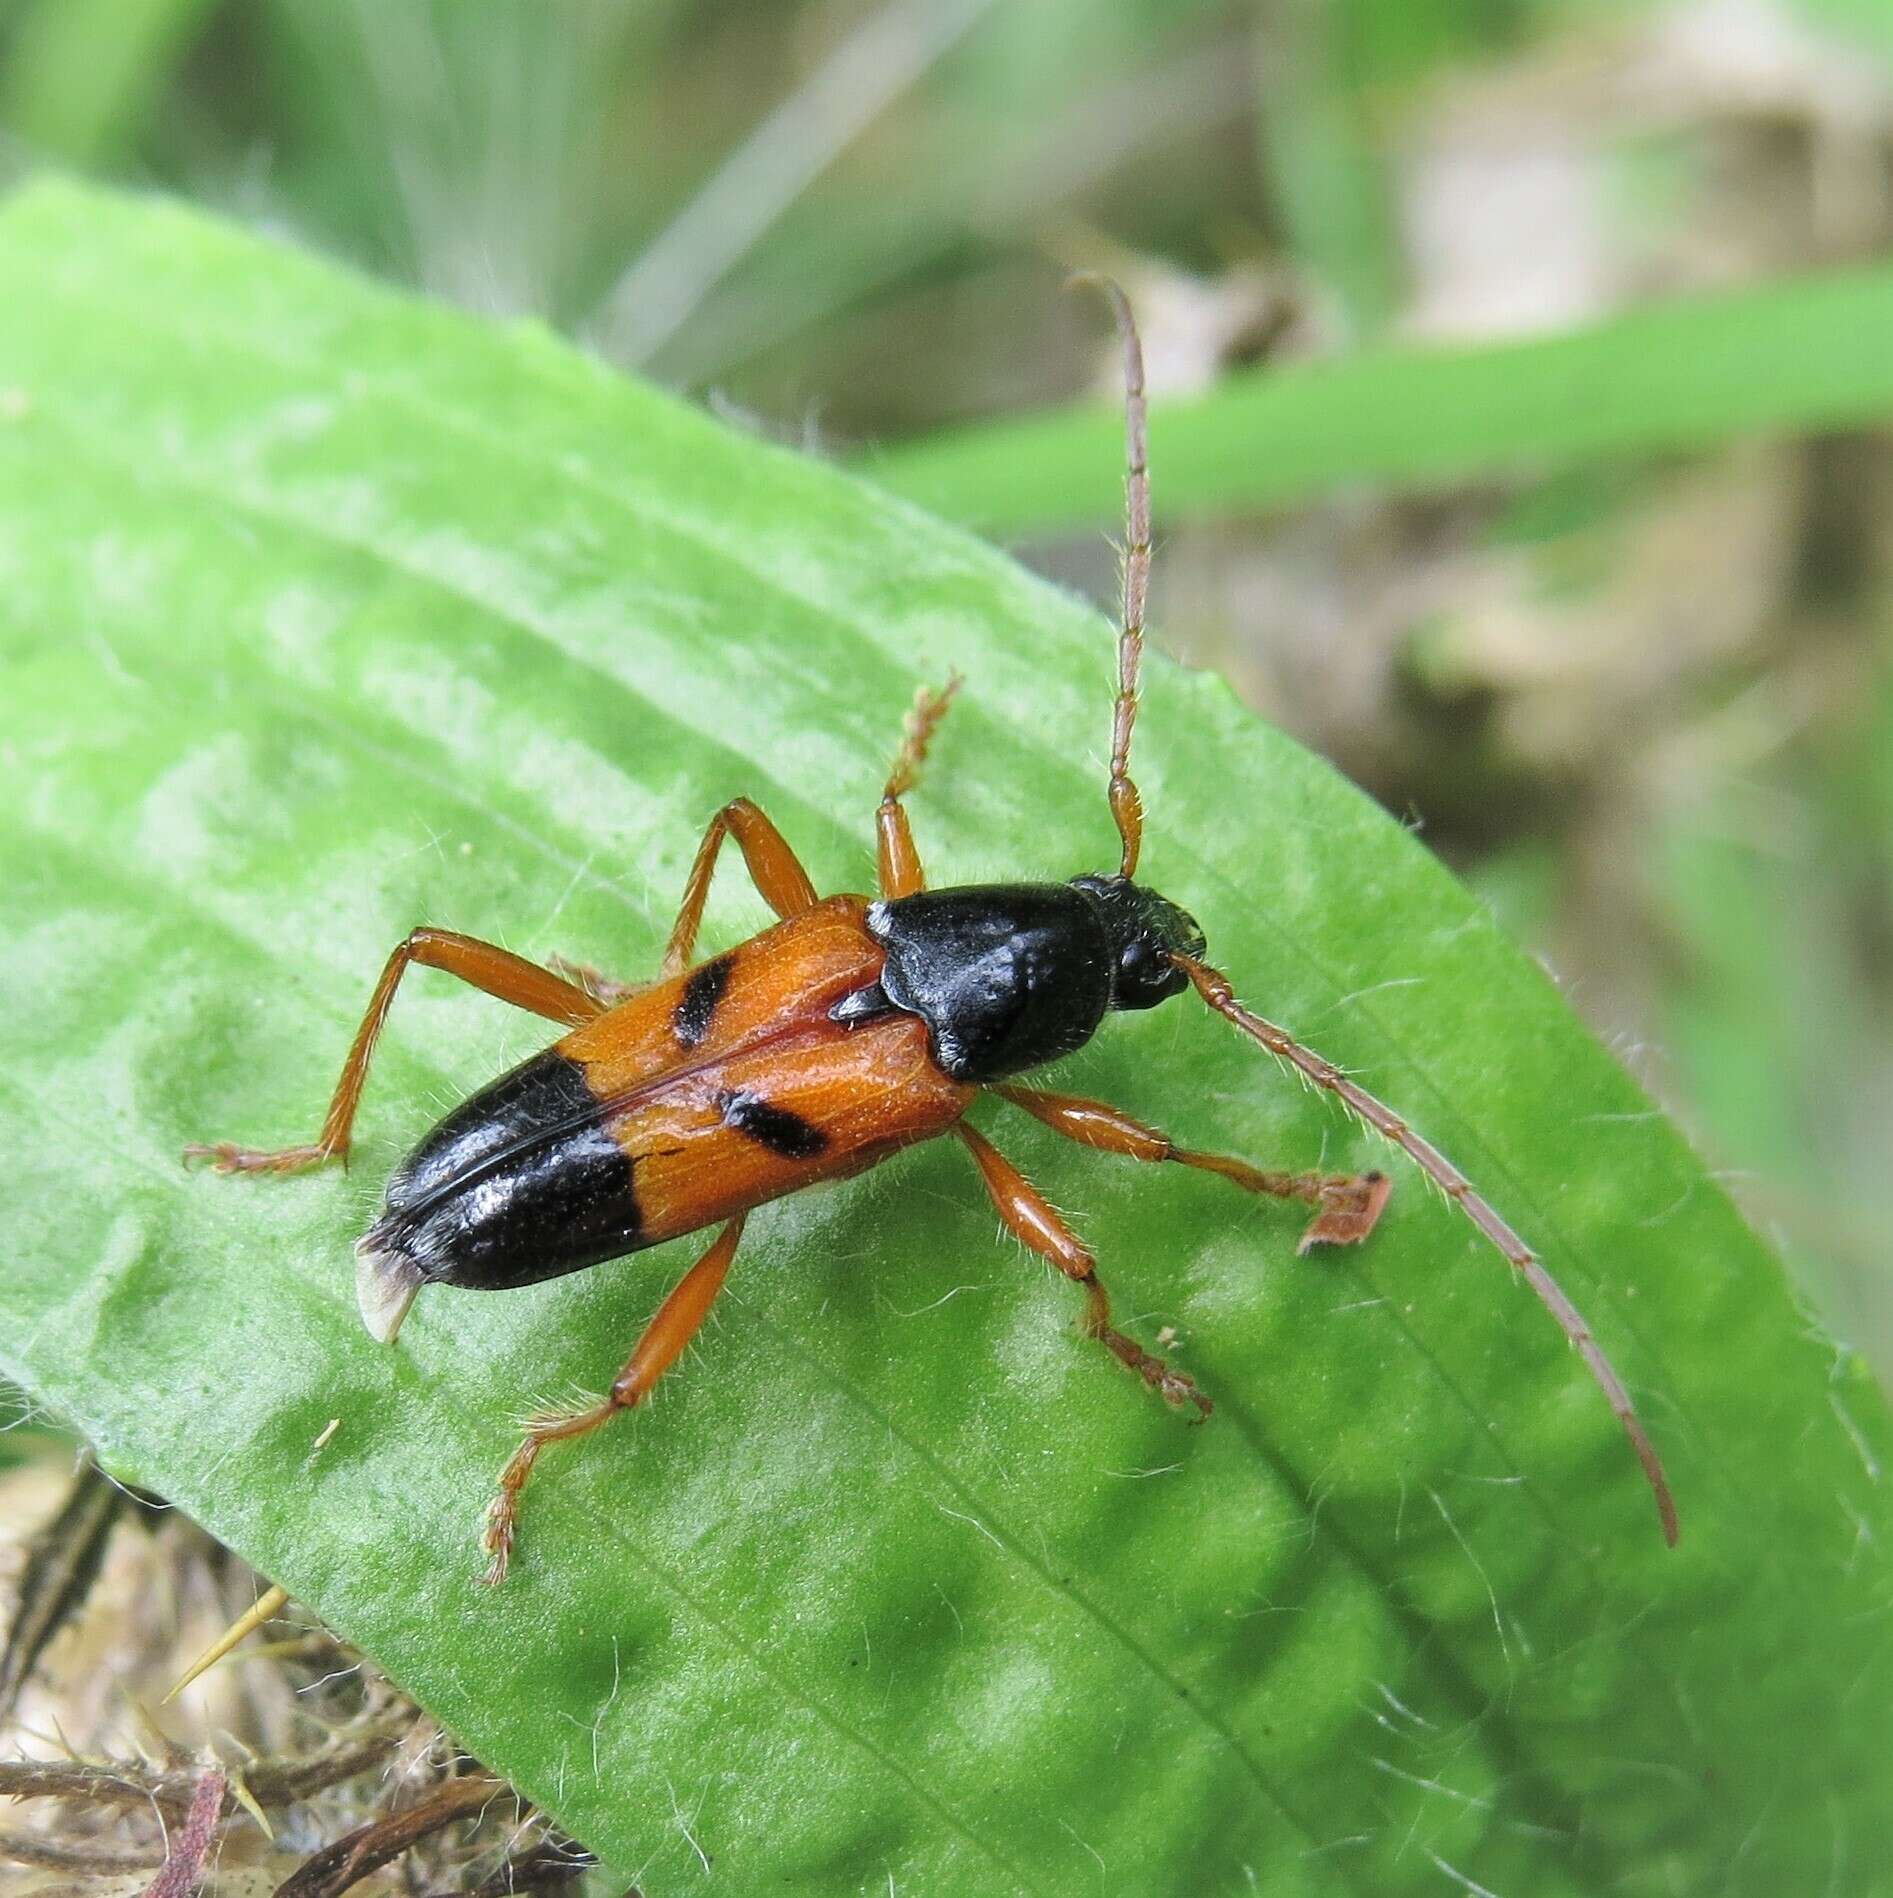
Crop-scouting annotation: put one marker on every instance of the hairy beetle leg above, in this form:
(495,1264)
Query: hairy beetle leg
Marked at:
(662,1344)
(1031,1219)
(225,1157)
(481,965)
(773,867)
(1347,1204)
(1174,1387)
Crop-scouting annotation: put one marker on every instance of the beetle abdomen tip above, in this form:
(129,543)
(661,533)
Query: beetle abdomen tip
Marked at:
(386,1281)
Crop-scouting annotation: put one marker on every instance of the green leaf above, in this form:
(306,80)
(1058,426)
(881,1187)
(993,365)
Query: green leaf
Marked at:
(1808,353)
(328,612)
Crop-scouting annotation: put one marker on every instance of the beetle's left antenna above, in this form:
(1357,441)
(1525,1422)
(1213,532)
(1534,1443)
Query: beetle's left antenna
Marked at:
(1127,808)
(1213,986)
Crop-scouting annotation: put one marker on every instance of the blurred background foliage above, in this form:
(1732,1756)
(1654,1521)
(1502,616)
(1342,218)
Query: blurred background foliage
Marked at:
(1646,707)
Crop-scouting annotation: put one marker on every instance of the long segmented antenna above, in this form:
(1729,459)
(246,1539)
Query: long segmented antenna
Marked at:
(917,730)
(1127,808)
(1214,988)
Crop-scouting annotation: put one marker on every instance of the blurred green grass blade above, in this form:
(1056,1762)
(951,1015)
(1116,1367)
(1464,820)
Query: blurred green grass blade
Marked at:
(1864,24)
(81,75)
(1815,352)
(325,612)
(1325,180)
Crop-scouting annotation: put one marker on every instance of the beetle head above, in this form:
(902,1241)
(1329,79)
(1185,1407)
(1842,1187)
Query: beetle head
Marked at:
(1147,933)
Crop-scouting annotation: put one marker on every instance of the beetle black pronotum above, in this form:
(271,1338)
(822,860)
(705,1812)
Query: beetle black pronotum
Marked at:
(851,1029)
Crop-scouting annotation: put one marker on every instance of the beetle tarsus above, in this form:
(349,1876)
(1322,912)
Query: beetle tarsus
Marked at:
(1176,1388)
(1350,1208)
(226,1157)
(502,1513)
(657,1350)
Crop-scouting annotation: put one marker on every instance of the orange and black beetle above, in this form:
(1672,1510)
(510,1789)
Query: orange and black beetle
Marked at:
(851,1029)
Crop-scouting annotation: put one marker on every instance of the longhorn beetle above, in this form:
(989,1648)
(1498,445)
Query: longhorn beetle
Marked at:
(849,1030)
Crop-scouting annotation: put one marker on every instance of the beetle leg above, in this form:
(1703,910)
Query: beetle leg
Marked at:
(483,965)
(663,1341)
(1031,1218)
(1347,1204)
(773,867)
(899,861)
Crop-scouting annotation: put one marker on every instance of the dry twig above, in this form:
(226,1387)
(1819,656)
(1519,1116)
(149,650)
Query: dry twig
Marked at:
(353,1856)
(29,1848)
(272,1782)
(61,1566)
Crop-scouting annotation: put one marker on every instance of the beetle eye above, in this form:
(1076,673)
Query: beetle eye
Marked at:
(1145,974)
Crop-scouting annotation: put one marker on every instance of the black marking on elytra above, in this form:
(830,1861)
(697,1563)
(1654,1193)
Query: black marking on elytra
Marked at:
(691,1021)
(518,1184)
(776,1128)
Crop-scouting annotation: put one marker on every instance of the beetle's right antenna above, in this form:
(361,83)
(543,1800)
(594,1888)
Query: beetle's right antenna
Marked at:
(1127,808)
